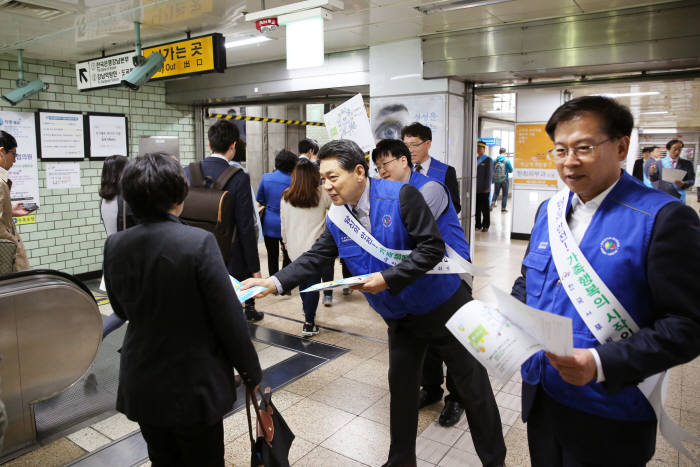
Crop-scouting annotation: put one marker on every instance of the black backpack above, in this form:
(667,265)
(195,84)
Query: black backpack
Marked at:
(210,207)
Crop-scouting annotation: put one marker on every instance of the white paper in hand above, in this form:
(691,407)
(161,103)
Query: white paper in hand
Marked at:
(672,175)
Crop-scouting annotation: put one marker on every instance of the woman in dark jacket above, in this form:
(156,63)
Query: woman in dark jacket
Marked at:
(186,330)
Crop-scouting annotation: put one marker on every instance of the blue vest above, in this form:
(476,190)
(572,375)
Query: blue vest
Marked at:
(666,162)
(437,170)
(269,194)
(428,291)
(627,217)
(448,222)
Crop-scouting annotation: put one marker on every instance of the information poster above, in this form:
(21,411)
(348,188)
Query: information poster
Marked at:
(532,166)
(61,135)
(24,173)
(108,135)
(63,175)
(390,114)
(349,121)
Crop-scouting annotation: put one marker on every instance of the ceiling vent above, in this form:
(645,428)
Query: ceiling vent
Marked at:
(30,10)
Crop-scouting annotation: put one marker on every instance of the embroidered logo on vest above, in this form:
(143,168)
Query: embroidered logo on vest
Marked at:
(386,220)
(610,246)
(543,245)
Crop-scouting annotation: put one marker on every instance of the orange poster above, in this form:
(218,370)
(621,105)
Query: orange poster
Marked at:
(532,166)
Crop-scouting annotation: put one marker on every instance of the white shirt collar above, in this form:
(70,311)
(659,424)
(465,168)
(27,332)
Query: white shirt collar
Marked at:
(595,202)
(220,157)
(424,166)
(363,203)
(4,175)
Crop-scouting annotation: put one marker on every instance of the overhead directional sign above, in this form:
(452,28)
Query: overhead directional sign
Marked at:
(199,55)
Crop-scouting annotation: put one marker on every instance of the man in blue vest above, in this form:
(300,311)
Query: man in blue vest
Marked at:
(393,161)
(418,138)
(605,253)
(386,228)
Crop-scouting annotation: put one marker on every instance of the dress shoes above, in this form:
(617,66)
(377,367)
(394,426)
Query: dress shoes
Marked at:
(426,398)
(450,413)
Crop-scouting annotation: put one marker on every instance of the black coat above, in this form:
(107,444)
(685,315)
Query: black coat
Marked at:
(186,328)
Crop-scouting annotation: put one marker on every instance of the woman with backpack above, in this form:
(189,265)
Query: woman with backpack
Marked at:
(303,219)
(501,169)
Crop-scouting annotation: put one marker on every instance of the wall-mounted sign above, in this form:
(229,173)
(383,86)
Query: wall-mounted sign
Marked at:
(61,135)
(491,141)
(63,175)
(532,166)
(199,55)
(107,135)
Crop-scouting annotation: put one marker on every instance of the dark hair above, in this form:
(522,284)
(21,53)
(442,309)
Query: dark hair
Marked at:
(111,173)
(502,151)
(395,147)
(674,141)
(347,152)
(306,145)
(303,191)
(285,161)
(616,119)
(648,149)
(417,130)
(7,141)
(152,184)
(239,155)
(222,134)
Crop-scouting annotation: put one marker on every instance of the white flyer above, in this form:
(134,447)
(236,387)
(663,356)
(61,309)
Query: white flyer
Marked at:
(350,121)
(502,338)
(671,175)
(63,175)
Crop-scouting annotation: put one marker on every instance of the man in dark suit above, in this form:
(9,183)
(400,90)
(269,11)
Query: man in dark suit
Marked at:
(186,330)
(418,138)
(398,218)
(674,161)
(611,268)
(638,169)
(244,261)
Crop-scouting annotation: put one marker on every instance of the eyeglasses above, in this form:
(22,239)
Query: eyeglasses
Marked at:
(415,145)
(581,151)
(384,164)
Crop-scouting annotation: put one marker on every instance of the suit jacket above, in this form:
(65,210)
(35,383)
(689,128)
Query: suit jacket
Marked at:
(421,227)
(453,186)
(672,339)
(244,260)
(638,169)
(186,328)
(688,180)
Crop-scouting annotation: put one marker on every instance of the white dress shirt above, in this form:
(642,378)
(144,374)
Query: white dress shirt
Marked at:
(424,166)
(580,218)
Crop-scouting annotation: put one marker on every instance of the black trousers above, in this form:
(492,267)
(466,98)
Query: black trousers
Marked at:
(327,276)
(433,377)
(408,339)
(193,445)
(560,436)
(483,214)
(272,245)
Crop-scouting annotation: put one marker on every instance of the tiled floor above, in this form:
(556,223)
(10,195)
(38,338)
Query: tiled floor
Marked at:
(340,412)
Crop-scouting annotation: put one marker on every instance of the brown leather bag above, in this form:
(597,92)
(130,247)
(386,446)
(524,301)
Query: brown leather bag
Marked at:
(210,207)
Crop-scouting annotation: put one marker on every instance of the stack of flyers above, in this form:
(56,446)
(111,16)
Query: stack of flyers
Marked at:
(244,295)
(355,280)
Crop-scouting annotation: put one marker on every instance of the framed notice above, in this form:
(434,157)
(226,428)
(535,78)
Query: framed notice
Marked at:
(107,135)
(532,166)
(61,135)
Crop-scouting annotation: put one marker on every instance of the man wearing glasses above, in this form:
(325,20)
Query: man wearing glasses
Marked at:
(418,138)
(8,155)
(604,252)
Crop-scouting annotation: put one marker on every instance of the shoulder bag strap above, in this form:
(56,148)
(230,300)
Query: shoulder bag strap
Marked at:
(225,176)
(196,176)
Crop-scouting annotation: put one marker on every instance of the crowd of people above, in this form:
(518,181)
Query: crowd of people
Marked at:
(607,268)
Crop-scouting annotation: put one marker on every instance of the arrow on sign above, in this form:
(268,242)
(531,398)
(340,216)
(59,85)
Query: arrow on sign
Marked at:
(83,76)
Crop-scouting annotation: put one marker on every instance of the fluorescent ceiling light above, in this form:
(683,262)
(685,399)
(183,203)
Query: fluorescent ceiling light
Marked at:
(246,41)
(628,94)
(658,130)
(662,112)
(441,7)
(305,43)
(412,75)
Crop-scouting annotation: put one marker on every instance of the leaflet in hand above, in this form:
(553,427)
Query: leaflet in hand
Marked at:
(244,295)
(355,280)
(502,338)
(672,175)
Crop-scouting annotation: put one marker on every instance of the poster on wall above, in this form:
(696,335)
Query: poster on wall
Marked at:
(390,114)
(61,135)
(349,121)
(532,166)
(107,135)
(63,175)
(24,173)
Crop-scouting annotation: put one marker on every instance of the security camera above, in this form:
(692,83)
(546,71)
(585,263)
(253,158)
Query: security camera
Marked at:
(24,91)
(143,72)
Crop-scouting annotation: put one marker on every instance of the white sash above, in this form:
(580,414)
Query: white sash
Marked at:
(602,312)
(453,263)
